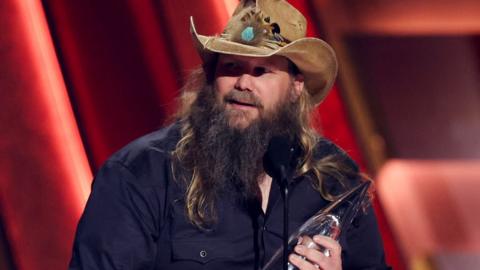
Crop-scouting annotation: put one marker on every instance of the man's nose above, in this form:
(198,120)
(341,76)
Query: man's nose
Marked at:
(244,82)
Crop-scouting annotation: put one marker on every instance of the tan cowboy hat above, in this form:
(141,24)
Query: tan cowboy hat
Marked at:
(264,28)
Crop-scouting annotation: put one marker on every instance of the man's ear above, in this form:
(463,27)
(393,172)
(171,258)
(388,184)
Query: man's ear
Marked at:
(297,87)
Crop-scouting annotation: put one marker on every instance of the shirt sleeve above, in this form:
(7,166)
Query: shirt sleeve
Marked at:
(119,226)
(362,246)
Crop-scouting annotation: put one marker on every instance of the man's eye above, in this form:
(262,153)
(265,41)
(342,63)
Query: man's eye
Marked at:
(258,71)
(230,66)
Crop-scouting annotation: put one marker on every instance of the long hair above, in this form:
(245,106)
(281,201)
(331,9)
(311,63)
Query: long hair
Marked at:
(200,200)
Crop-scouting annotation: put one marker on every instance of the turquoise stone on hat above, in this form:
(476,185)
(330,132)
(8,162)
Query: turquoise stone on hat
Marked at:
(247,34)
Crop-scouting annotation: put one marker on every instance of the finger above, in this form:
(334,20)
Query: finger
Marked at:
(308,242)
(299,240)
(301,263)
(329,244)
(315,258)
(313,255)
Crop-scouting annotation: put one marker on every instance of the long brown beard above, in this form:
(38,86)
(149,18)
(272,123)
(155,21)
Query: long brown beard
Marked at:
(230,159)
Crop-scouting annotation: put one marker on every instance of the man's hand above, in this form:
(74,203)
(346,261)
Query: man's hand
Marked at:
(330,259)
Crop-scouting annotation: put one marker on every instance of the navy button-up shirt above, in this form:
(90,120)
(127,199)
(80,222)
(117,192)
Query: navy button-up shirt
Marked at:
(135,219)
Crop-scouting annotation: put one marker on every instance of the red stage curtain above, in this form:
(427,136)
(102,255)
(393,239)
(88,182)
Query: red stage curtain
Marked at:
(124,62)
(44,172)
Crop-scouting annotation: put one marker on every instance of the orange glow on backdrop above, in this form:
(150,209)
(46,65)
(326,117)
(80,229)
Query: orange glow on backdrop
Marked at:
(415,17)
(432,206)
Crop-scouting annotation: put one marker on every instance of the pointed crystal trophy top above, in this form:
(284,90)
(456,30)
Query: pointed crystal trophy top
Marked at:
(329,221)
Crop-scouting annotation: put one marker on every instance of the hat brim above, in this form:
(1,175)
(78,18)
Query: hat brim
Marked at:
(313,57)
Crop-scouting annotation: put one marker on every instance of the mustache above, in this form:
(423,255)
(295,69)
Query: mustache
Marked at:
(243,97)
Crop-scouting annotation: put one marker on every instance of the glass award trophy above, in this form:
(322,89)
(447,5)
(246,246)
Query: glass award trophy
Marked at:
(329,221)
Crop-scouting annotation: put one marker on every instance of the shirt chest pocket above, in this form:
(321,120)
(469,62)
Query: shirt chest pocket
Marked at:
(201,251)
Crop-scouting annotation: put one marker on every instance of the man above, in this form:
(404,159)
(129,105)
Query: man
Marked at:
(194,195)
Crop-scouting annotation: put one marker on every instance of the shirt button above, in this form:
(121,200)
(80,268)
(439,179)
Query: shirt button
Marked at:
(203,254)
(264,228)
